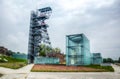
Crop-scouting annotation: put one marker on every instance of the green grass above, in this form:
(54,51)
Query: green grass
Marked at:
(89,68)
(14,65)
(105,68)
(66,71)
(12,62)
(10,59)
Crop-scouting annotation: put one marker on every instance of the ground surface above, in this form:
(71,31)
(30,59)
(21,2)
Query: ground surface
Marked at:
(73,75)
(24,73)
(63,68)
(15,73)
(76,75)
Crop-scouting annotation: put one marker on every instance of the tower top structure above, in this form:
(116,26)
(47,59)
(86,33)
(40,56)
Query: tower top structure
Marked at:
(38,32)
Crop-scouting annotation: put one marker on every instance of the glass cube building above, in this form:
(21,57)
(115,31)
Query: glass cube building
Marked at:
(96,58)
(77,50)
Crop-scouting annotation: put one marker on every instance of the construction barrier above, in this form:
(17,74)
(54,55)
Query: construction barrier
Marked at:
(20,56)
(46,60)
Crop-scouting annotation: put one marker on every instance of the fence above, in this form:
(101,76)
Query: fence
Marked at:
(46,60)
(20,56)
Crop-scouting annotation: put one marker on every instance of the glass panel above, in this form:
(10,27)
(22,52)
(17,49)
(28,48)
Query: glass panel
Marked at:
(77,50)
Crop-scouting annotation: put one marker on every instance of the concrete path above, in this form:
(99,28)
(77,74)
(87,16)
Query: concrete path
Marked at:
(73,75)
(14,76)
(15,73)
(24,73)
(76,75)
(25,69)
(116,68)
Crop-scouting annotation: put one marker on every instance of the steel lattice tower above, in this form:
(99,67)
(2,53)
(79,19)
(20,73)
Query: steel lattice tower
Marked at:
(38,32)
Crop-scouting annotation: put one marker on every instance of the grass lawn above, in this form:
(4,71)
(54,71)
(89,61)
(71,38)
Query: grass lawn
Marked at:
(63,68)
(12,62)
(13,65)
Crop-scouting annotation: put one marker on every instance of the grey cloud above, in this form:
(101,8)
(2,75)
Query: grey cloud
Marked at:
(99,24)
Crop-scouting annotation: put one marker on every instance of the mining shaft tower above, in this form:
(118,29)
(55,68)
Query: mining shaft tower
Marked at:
(38,32)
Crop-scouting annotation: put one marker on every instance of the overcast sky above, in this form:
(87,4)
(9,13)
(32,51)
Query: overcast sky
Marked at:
(99,20)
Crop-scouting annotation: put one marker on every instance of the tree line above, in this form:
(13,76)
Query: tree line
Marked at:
(110,60)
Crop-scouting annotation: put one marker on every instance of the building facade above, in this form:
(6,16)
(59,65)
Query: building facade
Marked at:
(96,58)
(77,50)
(46,60)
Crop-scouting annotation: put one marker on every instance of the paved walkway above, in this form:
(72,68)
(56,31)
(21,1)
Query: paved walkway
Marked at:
(24,73)
(73,75)
(116,68)
(76,75)
(15,73)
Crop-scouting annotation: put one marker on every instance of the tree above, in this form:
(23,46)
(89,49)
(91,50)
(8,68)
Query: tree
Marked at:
(57,50)
(108,60)
(10,53)
(43,50)
(119,60)
(18,52)
(104,60)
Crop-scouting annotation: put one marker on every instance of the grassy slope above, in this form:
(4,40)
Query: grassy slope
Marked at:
(12,62)
(10,59)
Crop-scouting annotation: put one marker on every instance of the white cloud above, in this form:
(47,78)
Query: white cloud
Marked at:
(97,19)
(16,42)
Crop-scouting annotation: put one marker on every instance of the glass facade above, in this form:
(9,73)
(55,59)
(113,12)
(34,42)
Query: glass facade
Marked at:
(96,58)
(20,56)
(77,50)
(46,60)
